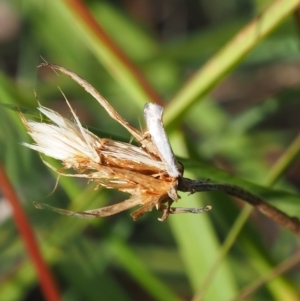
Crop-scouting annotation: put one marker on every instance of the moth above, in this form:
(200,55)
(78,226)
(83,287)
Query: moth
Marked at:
(149,172)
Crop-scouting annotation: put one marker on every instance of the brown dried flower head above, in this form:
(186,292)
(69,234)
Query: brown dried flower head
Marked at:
(149,172)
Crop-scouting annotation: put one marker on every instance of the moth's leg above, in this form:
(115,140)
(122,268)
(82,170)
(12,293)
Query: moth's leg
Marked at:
(177,210)
(165,209)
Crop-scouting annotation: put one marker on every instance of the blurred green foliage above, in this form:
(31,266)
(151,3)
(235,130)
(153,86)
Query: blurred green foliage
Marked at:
(229,121)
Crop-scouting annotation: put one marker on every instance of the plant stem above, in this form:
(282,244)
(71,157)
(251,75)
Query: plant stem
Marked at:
(278,216)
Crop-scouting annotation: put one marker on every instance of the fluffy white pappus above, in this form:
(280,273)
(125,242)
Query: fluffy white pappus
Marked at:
(62,139)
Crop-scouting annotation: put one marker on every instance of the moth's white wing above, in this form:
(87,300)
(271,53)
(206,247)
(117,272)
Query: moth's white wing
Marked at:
(153,117)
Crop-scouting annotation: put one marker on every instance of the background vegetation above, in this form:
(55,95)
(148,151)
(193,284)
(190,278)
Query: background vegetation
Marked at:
(228,73)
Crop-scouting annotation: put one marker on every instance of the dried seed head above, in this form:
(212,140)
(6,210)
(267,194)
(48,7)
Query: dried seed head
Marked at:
(143,171)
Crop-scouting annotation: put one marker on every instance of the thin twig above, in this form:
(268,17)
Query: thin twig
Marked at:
(192,186)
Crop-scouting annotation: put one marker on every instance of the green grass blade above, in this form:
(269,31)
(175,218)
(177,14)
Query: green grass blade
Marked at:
(227,58)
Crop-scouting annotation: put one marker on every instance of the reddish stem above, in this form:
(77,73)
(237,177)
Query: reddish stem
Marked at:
(47,282)
(87,18)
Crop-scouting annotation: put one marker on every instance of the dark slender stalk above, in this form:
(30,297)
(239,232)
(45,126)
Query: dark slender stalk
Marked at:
(192,186)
